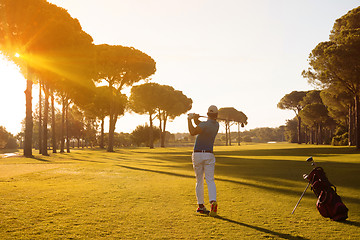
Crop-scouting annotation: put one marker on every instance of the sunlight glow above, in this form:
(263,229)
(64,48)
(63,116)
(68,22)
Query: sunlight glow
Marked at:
(17,55)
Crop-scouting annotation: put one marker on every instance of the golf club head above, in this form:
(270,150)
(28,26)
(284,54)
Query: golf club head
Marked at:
(311,160)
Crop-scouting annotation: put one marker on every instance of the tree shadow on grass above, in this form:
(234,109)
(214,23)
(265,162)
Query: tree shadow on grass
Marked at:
(260,229)
(157,171)
(268,188)
(41,160)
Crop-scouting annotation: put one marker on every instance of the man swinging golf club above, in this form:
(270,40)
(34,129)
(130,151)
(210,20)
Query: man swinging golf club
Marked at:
(203,158)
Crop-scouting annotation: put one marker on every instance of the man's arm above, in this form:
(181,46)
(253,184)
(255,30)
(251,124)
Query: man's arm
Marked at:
(194,130)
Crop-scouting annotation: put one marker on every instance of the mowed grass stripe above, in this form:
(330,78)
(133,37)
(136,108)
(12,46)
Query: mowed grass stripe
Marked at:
(149,194)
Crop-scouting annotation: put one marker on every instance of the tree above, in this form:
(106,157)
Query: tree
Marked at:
(341,108)
(7,140)
(335,63)
(230,116)
(42,33)
(315,115)
(120,67)
(99,107)
(141,135)
(171,104)
(293,101)
(241,120)
(291,131)
(144,99)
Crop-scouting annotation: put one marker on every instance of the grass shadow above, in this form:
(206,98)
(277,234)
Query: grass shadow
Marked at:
(268,188)
(261,229)
(157,171)
(304,151)
(40,159)
(351,223)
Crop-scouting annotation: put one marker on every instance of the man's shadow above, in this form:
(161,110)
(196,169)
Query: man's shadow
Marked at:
(260,229)
(278,234)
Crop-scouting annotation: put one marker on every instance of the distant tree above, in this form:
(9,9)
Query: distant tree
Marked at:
(293,101)
(120,67)
(99,107)
(291,130)
(141,135)
(7,140)
(315,115)
(120,139)
(171,104)
(241,120)
(4,136)
(144,99)
(230,116)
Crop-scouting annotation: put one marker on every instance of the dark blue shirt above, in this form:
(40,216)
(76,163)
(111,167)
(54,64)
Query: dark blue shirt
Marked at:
(205,140)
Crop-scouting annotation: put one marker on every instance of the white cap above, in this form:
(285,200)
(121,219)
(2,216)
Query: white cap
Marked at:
(212,109)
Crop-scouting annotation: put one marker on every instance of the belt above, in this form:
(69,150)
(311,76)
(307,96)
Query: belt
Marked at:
(203,151)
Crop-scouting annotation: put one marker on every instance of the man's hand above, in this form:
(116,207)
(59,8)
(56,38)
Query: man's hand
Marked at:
(194,130)
(193,116)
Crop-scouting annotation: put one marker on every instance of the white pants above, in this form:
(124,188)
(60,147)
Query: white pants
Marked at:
(204,163)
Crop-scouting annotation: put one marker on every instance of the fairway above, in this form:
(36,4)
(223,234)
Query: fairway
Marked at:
(145,193)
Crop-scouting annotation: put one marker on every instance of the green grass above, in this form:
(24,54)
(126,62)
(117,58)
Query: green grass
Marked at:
(149,194)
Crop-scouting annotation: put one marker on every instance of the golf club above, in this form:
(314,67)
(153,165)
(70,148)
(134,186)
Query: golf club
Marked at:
(221,119)
(300,198)
(305,176)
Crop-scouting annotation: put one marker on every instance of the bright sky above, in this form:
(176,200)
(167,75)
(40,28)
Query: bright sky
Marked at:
(245,54)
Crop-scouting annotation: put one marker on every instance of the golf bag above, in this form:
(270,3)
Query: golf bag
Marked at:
(328,203)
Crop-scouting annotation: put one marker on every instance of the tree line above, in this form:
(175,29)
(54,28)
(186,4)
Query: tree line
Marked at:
(330,114)
(52,50)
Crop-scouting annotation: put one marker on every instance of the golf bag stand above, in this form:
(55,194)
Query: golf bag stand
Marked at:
(329,203)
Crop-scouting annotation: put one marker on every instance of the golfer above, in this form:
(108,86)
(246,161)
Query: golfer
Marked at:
(203,158)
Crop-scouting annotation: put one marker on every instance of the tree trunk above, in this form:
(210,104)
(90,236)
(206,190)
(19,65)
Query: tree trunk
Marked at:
(67,127)
(151,135)
(110,147)
(357,122)
(351,134)
(306,135)
(321,138)
(299,129)
(40,119)
(62,135)
(229,135)
(102,133)
(226,132)
(111,133)
(238,140)
(45,122)
(53,123)
(28,119)
(163,133)
(161,129)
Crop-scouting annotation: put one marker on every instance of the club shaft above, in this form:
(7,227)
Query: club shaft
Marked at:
(216,118)
(300,198)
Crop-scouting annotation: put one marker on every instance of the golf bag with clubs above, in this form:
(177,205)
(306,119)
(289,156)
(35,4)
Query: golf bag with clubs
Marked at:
(329,203)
